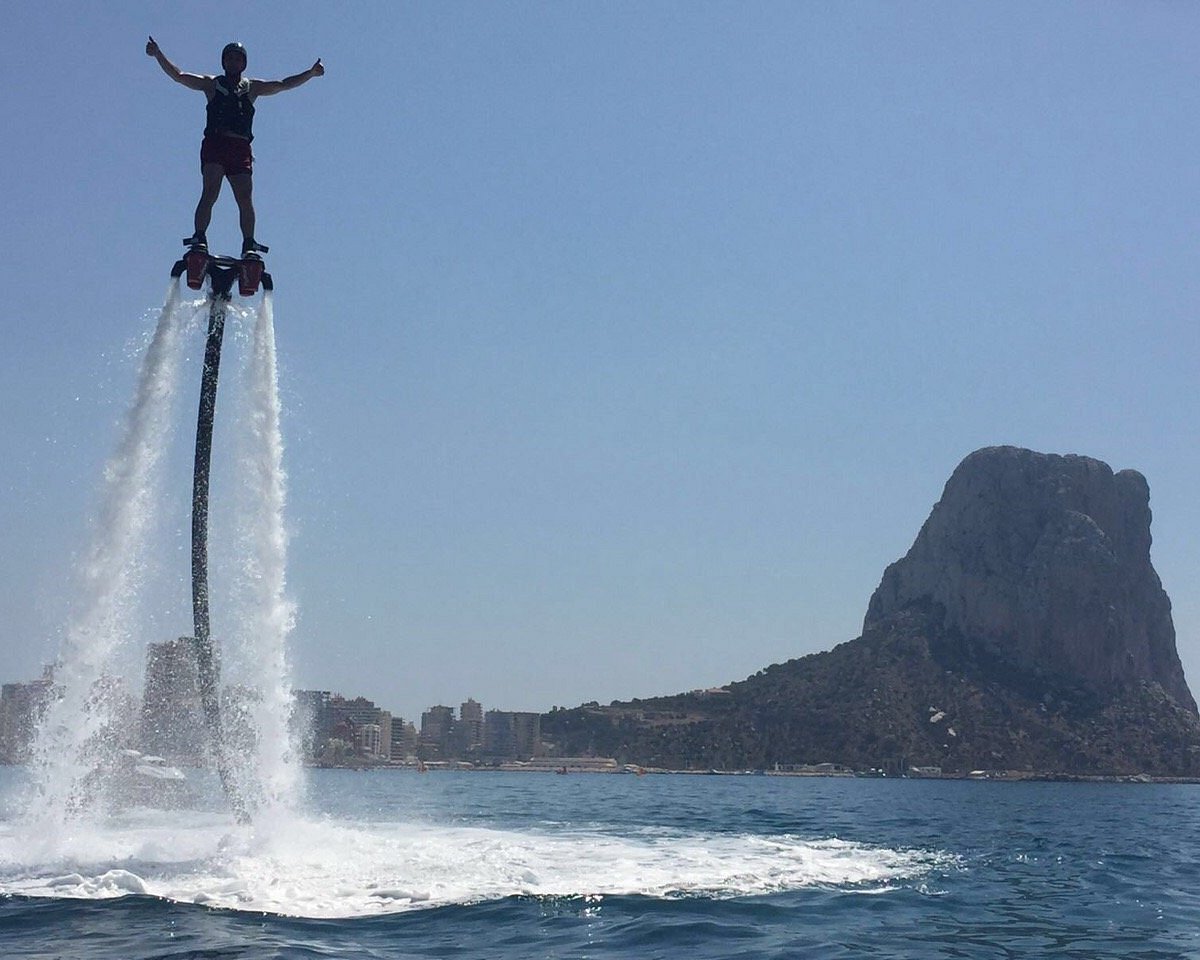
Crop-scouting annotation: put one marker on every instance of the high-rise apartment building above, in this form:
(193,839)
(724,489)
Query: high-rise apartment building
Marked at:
(311,720)
(436,723)
(404,739)
(172,719)
(21,705)
(512,734)
(468,731)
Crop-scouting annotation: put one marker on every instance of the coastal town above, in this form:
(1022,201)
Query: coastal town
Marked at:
(332,730)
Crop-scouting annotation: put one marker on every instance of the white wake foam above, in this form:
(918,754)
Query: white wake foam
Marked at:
(331,868)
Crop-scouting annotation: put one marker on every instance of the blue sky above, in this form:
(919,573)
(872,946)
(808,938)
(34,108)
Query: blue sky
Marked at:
(622,344)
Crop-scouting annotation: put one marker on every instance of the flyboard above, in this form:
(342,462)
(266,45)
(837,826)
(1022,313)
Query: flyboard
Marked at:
(221,273)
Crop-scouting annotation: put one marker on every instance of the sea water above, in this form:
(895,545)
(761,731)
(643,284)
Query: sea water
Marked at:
(397,864)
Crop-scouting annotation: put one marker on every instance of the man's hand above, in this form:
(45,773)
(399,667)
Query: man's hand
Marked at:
(268,88)
(193,81)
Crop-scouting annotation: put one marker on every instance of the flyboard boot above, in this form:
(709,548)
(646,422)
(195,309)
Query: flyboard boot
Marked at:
(250,269)
(196,260)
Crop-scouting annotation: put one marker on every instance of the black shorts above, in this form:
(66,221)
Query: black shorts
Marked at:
(231,153)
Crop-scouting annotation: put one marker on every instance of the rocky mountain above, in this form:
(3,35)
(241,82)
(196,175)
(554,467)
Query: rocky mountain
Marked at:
(1046,561)
(1025,629)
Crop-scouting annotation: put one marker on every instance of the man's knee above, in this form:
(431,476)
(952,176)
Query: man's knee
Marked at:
(210,190)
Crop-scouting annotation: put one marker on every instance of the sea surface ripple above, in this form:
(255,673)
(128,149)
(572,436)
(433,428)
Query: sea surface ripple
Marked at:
(396,865)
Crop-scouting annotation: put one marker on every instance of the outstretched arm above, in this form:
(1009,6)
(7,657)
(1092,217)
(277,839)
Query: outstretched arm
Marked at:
(193,81)
(265,88)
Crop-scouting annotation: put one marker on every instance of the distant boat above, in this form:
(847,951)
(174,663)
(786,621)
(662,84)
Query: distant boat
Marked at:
(143,779)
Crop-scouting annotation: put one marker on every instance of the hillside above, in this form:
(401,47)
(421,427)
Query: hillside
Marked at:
(1025,630)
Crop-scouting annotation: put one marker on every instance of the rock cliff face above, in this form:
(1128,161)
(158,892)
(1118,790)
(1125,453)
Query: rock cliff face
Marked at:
(1044,560)
(1025,630)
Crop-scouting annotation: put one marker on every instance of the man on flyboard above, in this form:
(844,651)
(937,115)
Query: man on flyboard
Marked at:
(225,151)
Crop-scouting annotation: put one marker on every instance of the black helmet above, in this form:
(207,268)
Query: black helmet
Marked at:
(234,47)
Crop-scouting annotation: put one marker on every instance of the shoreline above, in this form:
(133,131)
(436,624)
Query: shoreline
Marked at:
(1000,776)
(601,768)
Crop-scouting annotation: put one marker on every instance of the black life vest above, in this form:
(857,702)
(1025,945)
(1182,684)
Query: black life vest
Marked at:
(230,111)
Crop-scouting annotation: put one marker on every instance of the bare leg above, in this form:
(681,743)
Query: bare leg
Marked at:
(243,186)
(212,174)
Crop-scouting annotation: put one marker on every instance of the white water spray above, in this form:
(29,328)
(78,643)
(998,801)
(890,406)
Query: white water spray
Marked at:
(90,715)
(81,718)
(265,613)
